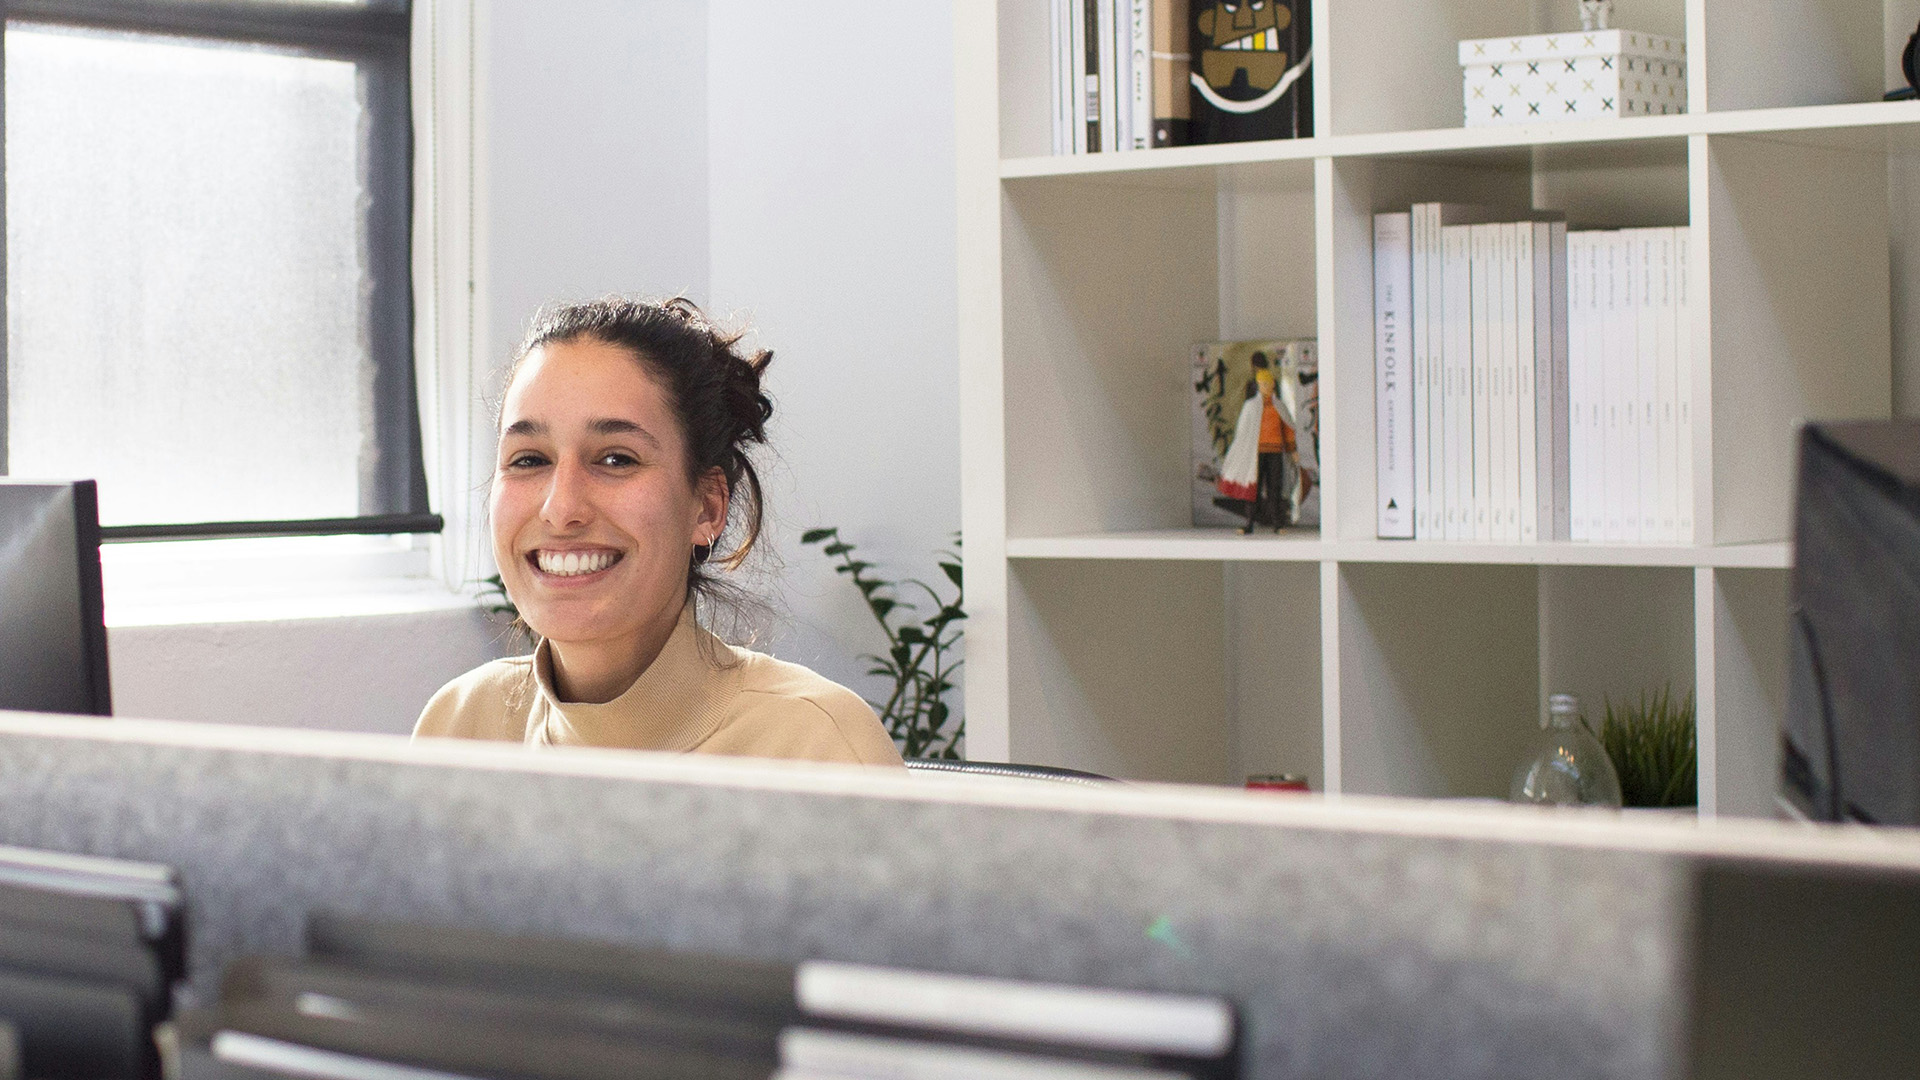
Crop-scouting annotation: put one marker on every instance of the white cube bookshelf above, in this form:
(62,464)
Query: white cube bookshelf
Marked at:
(1106,634)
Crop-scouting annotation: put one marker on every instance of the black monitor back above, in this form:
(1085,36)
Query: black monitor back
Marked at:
(1850,745)
(53,637)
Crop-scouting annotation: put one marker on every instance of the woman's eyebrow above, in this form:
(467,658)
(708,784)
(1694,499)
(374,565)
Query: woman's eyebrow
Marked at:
(613,425)
(525,427)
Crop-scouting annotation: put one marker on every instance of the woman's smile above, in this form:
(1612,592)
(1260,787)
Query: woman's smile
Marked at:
(573,563)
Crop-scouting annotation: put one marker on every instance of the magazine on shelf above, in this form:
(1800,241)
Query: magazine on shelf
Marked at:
(1244,393)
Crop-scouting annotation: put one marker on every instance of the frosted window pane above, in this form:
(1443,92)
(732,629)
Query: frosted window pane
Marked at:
(184,276)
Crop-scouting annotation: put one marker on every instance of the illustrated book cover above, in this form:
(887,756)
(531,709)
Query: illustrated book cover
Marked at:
(1256,434)
(1251,77)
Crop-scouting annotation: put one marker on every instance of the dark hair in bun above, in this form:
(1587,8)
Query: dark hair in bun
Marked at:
(712,385)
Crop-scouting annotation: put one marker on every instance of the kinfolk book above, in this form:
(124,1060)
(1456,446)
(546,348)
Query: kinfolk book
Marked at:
(1256,451)
(1395,428)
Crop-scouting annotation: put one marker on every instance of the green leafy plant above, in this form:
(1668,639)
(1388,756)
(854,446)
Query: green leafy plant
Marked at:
(920,659)
(1652,744)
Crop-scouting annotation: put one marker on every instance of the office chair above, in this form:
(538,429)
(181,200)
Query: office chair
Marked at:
(1052,773)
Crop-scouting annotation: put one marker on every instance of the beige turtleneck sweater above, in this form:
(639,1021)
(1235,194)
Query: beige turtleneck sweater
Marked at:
(700,695)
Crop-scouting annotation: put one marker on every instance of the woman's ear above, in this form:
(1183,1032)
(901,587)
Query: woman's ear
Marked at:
(713,495)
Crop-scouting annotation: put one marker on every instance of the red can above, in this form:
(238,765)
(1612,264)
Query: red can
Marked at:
(1289,783)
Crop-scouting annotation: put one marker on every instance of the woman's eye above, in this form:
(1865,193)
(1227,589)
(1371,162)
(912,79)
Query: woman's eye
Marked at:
(525,461)
(617,460)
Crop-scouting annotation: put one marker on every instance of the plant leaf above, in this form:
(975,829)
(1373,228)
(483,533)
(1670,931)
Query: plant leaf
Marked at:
(838,547)
(814,536)
(953,572)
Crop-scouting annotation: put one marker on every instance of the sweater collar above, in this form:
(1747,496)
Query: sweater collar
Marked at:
(675,704)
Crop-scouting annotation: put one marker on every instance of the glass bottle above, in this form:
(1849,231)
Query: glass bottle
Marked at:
(1569,767)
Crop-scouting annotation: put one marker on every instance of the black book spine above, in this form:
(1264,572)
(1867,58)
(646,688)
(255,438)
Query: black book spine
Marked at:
(1091,43)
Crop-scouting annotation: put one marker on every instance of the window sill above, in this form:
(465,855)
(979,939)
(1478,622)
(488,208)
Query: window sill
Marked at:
(294,578)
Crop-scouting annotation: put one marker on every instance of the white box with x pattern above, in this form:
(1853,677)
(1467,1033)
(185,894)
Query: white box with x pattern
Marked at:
(1578,75)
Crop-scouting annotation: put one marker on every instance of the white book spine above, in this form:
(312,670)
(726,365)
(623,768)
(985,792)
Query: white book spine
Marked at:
(1666,374)
(1429,299)
(1123,74)
(1456,366)
(1553,325)
(1109,67)
(1425,501)
(1622,472)
(1579,295)
(1058,73)
(1646,315)
(1499,456)
(1509,380)
(1605,302)
(1084,88)
(1599,430)
(1683,365)
(1393,383)
(1482,279)
(1140,76)
(1527,383)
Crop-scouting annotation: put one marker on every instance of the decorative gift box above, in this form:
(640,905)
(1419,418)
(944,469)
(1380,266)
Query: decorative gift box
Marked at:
(1578,75)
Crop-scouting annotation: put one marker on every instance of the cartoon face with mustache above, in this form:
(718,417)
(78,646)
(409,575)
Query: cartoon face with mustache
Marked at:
(1242,51)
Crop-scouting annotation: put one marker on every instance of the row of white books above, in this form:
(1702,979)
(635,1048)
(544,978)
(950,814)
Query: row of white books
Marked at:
(1103,55)
(1531,384)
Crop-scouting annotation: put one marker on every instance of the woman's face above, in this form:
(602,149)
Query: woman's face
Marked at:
(594,519)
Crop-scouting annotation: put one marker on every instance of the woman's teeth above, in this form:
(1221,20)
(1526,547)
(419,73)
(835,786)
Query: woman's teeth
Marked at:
(574,563)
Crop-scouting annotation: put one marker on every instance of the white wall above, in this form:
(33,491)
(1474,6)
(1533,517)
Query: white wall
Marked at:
(361,673)
(593,159)
(832,201)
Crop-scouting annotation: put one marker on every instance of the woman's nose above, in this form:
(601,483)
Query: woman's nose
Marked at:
(567,505)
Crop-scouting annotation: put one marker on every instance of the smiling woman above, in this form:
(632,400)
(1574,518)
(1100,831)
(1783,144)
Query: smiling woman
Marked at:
(623,466)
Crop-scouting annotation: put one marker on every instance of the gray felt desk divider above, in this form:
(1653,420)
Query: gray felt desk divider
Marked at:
(1359,939)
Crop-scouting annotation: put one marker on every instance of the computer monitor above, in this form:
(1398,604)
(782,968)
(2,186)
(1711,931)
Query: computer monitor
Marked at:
(1850,740)
(53,637)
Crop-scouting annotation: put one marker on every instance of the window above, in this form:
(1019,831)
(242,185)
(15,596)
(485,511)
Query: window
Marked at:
(208,304)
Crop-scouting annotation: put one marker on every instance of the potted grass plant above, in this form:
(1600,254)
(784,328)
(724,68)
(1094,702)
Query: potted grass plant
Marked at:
(1652,744)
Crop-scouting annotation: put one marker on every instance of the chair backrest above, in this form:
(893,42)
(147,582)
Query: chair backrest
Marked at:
(1051,773)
